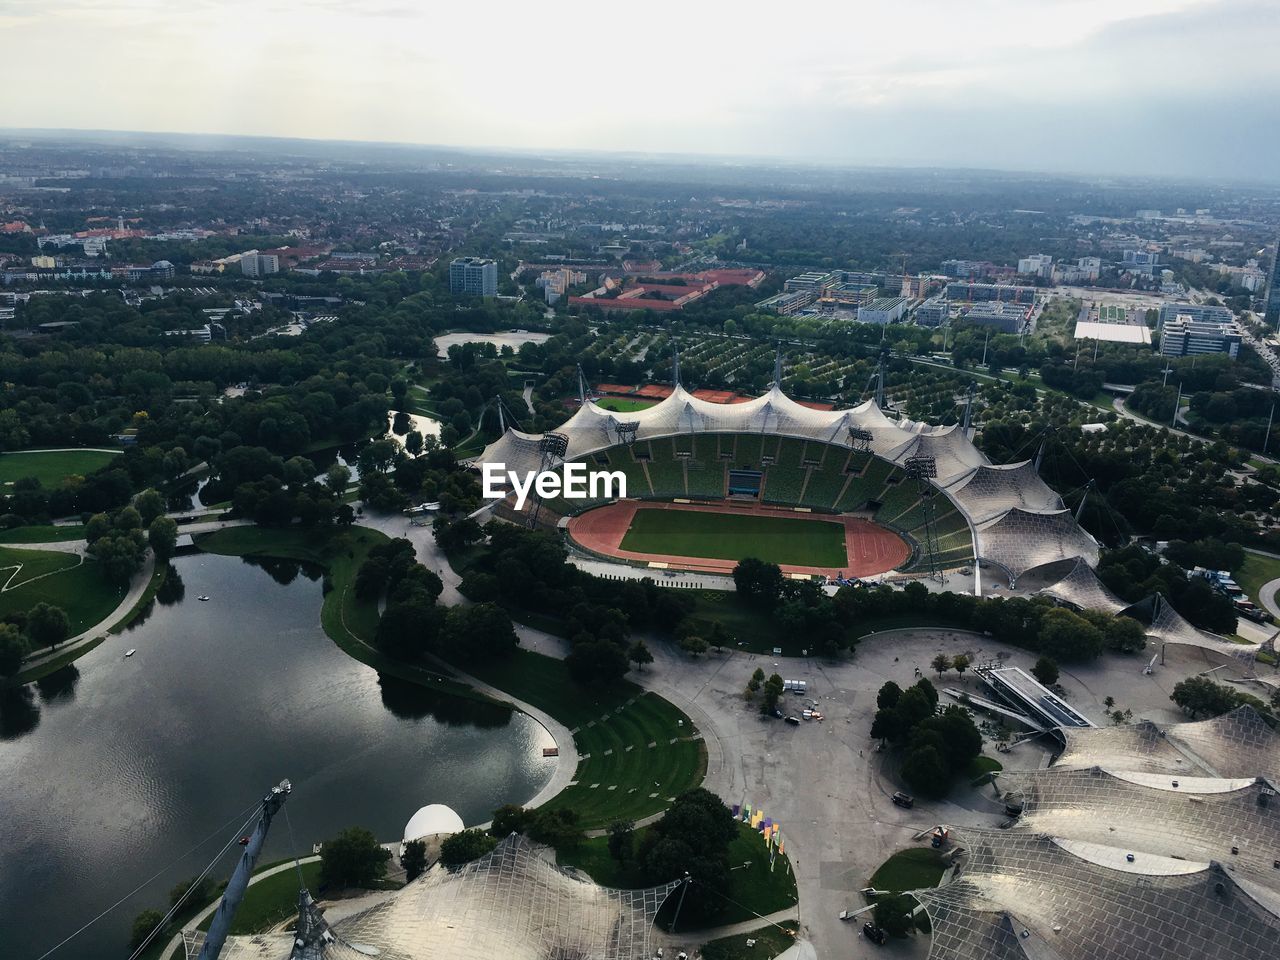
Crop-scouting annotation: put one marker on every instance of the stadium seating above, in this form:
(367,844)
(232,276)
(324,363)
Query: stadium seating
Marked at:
(900,505)
(637,479)
(683,443)
(790,452)
(782,484)
(824,484)
(667,478)
(748,452)
(705,478)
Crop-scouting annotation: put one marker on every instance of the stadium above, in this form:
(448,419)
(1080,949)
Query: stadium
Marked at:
(837,493)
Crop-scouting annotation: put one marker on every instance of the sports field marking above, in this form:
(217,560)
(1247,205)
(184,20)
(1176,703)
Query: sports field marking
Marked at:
(723,536)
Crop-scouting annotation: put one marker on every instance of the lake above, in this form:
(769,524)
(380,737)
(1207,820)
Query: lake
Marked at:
(113,768)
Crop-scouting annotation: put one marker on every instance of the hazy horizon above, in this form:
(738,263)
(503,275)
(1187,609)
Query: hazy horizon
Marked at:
(1171,88)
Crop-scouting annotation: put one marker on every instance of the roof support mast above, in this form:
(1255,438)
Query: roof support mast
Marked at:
(239,881)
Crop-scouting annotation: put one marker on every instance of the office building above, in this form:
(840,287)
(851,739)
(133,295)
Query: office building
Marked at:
(933,312)
(1004,316)
(1184,336)
(473,277)
(884,310)
(1199,312)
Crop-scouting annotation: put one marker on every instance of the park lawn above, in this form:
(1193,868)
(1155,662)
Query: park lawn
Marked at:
(64,581)
(349,622)
(1256,571)
(612,730)
(909,869)
(51,467)
(624,404)
(768,943)
(43,533)
(727,536)
(268,902)
(753,890)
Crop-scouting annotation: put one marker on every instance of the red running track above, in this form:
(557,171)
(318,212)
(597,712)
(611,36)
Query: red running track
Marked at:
(870,548)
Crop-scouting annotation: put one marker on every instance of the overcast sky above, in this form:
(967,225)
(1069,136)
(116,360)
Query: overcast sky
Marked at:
(1117,86)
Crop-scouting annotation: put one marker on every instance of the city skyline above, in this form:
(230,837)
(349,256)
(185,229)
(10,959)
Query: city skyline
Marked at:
(1157,88)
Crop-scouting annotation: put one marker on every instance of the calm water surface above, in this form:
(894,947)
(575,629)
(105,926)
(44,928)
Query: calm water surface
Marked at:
(114,767)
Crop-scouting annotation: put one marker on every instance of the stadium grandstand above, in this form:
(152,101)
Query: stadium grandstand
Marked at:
(779,454)
(1139,841)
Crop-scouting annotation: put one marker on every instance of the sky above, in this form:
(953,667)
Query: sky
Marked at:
(1163,87)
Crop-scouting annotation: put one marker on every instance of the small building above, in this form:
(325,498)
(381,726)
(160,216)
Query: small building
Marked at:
(1005,317)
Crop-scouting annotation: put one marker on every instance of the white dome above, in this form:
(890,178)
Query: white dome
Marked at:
(433,819)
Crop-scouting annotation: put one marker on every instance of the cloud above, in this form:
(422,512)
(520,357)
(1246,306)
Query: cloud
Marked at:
(1177,85)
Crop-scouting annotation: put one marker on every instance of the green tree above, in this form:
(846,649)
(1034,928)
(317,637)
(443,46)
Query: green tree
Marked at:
(693,645)
(556,828)
(892,914)
(509,819)
(193,890)
(461,848)
(353,858)
(149,505)
(414,860)
(479,631)
(162,536)
(1068,637)
(1200,697)
(337,478)
(941,663)
(121,554)
(621,839)
(772,693)
(1046,671)
(758,582)
(960,663)
(47,625)
(143,925)
(639,654)
(13,648)
(926,772)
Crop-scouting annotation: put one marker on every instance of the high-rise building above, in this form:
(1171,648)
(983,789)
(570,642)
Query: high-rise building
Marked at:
(254,264)
(1271,308)
(473,277)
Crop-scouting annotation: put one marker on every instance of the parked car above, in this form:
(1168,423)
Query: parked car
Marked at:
(874,933)
(901,799)
(794,721)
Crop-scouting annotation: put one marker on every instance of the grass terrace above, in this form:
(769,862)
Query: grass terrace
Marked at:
(638,751)
(65,580)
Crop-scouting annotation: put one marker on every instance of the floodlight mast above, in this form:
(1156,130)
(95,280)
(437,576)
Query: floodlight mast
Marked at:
(860,439)
(922,469)
(553,447)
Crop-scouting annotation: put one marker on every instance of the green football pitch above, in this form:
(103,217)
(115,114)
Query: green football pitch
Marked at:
(733,536)
(52,467)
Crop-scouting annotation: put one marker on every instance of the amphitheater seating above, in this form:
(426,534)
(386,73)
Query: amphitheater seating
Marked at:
(705,478)
(782,484)
(898,503)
